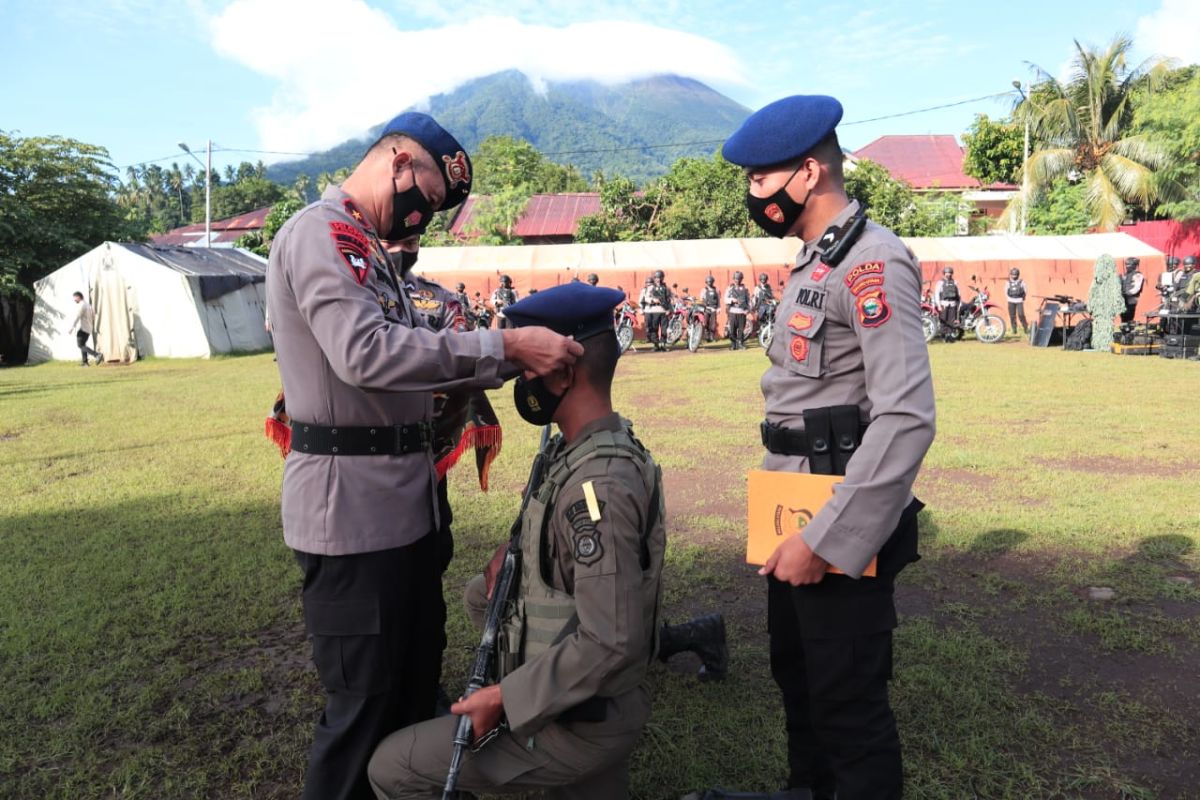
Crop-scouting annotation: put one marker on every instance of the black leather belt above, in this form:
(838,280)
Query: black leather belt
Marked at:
(364,440)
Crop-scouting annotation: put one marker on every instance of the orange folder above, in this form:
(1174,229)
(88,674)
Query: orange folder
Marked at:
(780,504)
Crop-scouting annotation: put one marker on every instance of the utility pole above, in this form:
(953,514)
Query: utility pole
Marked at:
(1025,163)
(207,189)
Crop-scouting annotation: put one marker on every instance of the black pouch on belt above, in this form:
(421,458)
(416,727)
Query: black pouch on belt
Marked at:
(833,434)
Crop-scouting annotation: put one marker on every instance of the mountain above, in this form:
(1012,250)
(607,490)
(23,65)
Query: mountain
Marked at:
(584,123)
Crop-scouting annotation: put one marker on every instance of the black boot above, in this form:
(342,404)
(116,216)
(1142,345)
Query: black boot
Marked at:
(704,636)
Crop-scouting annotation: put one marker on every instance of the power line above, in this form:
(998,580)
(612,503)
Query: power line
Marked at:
(628,148)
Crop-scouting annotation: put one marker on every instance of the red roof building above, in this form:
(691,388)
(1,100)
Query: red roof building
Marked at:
(548,218)
(929,162)
(225,232)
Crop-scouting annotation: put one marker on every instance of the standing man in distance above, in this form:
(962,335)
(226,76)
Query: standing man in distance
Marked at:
(737,303)
(710,298)
(1015,291)
(504,296)
(359,500)
(1132,283)
(848,391)
(85,321)
(656,307)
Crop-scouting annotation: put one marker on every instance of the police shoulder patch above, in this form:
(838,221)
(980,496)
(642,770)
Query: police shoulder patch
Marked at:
(866,282)
(873,309)
(587,548)
(354,247)
(819,272)
(865,268)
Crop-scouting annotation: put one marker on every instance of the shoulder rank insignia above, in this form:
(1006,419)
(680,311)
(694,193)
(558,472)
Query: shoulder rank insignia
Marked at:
(354,247)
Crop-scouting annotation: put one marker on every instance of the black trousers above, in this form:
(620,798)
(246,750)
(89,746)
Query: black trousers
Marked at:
(1016,310)
(737,328)
(831,656)
(377,624)
(655,327)
(81,339)
(1130,309)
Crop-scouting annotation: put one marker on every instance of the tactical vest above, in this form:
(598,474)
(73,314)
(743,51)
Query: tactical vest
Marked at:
(505,296)
(658,295)
(710,298)
(739,294)
(540,616)
(1015,290)
(949,290)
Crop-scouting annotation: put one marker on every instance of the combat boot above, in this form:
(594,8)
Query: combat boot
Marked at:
(704,636)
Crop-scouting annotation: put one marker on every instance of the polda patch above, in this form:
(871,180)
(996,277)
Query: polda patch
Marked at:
(354,247)
(873,309)
(866,268)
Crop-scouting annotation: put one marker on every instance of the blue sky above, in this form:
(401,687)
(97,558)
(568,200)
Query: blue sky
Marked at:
(137,76)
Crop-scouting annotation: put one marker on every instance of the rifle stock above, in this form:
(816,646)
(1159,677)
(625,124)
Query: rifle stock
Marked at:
(497,604)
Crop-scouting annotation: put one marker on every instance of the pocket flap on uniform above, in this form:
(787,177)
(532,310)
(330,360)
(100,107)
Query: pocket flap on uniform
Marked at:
(805,322)
(342,617)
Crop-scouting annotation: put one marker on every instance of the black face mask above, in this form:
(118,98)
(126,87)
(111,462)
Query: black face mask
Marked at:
(535,403)
(411,213)
(778,213)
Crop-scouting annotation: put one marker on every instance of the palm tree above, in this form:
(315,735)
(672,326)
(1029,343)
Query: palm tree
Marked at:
(1081,131)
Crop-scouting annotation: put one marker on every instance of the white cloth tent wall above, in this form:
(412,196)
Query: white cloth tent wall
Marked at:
(178,303)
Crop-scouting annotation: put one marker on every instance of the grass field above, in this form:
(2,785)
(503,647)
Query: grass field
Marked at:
(151,643)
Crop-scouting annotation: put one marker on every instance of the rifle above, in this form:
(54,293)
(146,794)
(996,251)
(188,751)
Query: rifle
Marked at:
(497,605)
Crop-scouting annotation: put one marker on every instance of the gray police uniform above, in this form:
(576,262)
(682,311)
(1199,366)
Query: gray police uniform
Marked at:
(354,359)
(573,681)
(848,339)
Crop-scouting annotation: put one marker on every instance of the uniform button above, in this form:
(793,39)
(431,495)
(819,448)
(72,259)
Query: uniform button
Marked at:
(306,429)
(335,450)
(372,449)
(333,431)
(372,431)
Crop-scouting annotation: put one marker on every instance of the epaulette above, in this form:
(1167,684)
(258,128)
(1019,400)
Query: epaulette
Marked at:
(837,240)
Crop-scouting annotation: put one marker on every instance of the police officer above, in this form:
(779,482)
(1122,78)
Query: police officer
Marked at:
(572,696)
(848,391)
(737,303)
(464,302)
(656,304)
(710,298)
(358,502)
(593,279)
(1132,283)
(948,299)
(1187,285)
(504,296)
(1016,292)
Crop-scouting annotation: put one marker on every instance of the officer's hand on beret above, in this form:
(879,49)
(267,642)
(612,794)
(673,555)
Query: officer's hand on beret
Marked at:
(540,350)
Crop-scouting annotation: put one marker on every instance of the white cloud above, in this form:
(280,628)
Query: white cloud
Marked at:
(343,66)
(1172,31)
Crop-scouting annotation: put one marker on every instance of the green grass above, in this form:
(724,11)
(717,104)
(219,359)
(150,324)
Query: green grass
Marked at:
(150,635)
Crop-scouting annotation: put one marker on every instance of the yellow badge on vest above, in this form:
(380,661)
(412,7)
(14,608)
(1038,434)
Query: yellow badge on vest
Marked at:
(589,495)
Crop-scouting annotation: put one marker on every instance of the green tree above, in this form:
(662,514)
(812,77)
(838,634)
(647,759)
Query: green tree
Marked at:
(995,150)
(244,195)
(1059,210)
(1172,116)
(1083,128)
(626,214)
(704,199)
(260,241)
(494,221)
(501,162)
(57,201)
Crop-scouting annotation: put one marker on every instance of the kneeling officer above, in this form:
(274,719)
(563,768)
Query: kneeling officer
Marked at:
(574,651)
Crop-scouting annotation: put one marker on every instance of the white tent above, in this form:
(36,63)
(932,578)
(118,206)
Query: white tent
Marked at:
(169,302)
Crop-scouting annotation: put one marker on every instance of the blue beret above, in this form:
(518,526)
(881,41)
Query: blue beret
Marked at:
(447,153)
(783,131)
(572,309)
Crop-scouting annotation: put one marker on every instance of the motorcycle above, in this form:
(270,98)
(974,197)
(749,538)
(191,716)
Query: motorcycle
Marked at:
(930,319)
(977,314)
(766,322)
(482,315)
(677,320)
(697,323)
(624,323)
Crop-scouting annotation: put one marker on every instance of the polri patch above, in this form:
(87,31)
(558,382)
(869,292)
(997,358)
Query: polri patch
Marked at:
(819,272)
(354,247)
(799,348)
(586,548)
(811,298)
(799,321)
(866,268)
(873,309)
(866,282)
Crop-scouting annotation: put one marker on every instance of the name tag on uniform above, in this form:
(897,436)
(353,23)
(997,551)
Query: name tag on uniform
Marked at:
(781,504)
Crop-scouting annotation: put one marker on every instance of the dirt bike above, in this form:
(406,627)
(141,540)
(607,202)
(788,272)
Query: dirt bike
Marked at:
(976,314)
(697,322)
(766,322)
(677,320)
(930,320)
(482,316)
(624,323)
